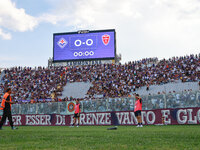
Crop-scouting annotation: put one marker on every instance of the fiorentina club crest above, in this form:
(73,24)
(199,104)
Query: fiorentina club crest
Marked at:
(62,43)
(71,107)
(106,39)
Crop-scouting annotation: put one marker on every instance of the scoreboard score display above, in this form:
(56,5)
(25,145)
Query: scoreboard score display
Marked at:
(99,44)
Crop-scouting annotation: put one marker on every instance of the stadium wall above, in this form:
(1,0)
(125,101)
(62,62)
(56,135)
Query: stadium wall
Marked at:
(149,117)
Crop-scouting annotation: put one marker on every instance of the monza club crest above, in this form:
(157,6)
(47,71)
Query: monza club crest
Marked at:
(62,43)
(106,39)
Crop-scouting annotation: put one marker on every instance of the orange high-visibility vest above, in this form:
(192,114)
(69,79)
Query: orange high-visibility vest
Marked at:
(4,100)
(77,108)
(138,105)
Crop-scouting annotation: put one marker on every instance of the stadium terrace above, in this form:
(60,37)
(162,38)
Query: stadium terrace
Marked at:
(42,84)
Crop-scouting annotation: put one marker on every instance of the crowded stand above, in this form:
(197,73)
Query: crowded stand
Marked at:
(109,80)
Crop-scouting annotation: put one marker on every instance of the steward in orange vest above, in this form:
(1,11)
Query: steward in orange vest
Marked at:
(3,103)
(6,107)
(138,109)
(77,113)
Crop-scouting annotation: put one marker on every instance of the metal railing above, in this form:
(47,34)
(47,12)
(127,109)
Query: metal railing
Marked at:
(173,100)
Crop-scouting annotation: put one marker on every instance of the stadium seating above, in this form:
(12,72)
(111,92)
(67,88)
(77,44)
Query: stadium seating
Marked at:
(2,73)
(169,88)
(76,89)
(1,84)
(106,80)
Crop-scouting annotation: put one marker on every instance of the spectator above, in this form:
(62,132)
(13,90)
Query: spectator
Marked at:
(109,80)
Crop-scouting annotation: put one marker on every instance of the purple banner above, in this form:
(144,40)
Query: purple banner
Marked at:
(92,45)
(149,117)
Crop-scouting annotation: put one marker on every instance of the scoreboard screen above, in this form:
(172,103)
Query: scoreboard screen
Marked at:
(83,46)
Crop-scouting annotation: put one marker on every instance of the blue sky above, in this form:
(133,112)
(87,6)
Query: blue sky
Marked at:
(153,28)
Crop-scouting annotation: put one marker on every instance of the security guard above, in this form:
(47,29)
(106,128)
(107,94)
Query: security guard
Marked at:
(6,107)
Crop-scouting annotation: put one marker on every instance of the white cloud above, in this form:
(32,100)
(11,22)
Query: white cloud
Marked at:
(91,13)
(144,28)
(14,19)
(6,36)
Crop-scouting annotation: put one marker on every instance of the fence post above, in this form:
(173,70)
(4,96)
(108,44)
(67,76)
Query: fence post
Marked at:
(82,106)
(58,103)
(197,100)
(36,108)
(106,104)
(165,101)
(20,109)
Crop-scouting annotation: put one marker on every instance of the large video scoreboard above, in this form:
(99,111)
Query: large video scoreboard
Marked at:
(89,45)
